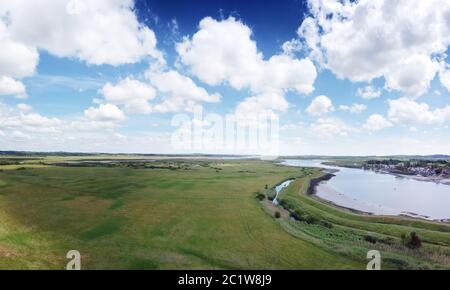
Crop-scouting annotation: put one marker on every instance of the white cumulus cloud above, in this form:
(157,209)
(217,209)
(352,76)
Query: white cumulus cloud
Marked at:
(223,52)
(96,32)
(354,108)
(369,92)
(444,77)
(162,92)
(99,32)
(105,112)
(320,105)
(376,122)
(133,95)
(402,41)
(329,128)
(179,92)
(9,86)
(406,111)
(22,120)
(16,58)
(24,107)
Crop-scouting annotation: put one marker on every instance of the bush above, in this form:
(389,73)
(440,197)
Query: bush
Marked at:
(277,215)
(311,220)
(414,241)
(370,239)
(297,215)
(294,216)
(260,196)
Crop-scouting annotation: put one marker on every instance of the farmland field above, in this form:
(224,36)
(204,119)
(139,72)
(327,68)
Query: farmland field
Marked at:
(191,214)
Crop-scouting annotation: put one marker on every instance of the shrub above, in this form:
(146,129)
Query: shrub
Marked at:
(311,220)
(260,196)
(297,215)
(294,216)
(286,204)
(414,241)
(370,239)
(277,215)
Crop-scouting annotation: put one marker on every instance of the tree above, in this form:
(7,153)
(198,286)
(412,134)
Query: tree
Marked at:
(260,196)
(412,242)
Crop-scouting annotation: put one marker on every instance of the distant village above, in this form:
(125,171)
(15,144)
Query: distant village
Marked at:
(419,167)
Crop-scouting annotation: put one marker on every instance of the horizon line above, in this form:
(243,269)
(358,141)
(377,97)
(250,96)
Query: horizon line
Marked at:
(12,152)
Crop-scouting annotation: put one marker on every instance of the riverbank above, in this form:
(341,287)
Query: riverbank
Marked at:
(314,182)
(353,233)
(381,193)
(434,178)
(312,189)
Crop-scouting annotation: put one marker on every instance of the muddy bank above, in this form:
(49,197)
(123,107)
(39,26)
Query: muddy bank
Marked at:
(315,181)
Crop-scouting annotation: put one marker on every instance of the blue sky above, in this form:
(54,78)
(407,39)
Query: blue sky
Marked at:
(344,78)
(272,22)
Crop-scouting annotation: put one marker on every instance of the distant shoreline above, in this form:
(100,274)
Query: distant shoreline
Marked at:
(435,179)
(327,176)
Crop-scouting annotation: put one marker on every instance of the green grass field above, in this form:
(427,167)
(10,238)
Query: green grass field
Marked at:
(123,218)
(187,214)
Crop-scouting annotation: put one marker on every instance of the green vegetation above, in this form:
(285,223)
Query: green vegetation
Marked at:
(202,214)
(193,214)
(342,231)
(412,242)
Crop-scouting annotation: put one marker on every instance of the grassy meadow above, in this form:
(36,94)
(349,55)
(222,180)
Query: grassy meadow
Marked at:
(191,214)
(202,215)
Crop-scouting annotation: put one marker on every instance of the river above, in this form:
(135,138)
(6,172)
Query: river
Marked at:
(280,187)
(380,193)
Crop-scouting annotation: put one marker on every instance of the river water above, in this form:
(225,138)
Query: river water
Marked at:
(380,193)
(280,187)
